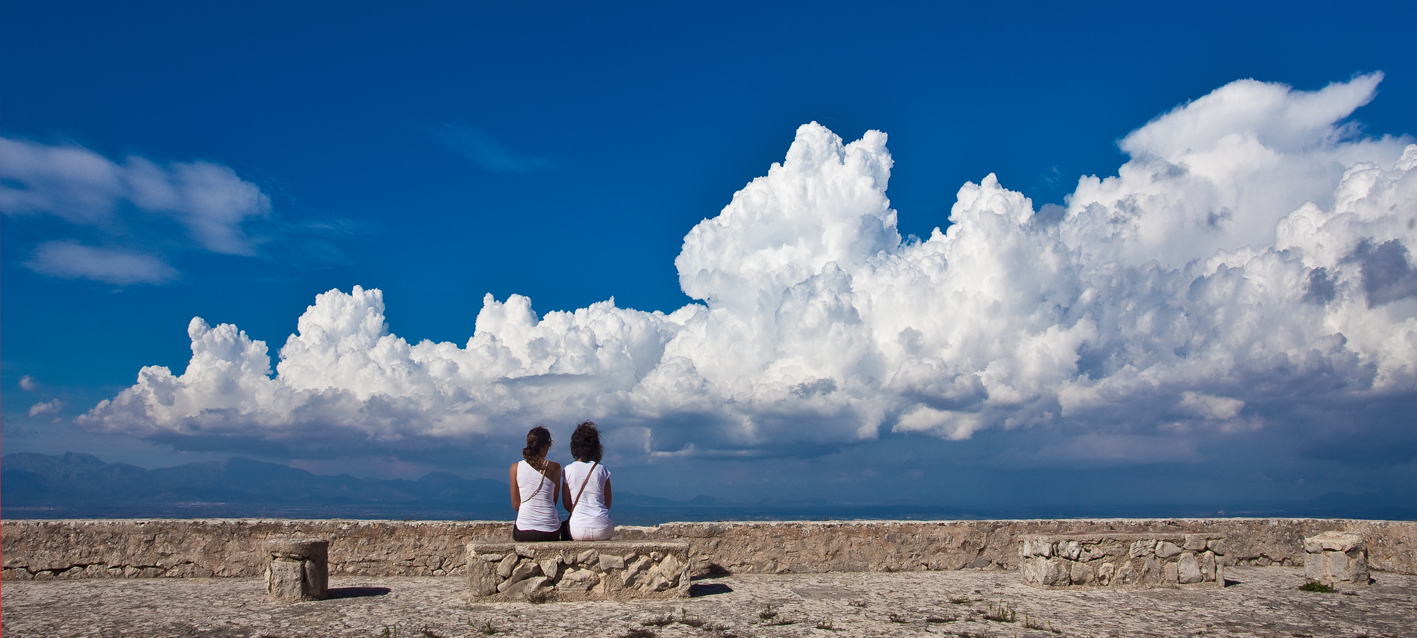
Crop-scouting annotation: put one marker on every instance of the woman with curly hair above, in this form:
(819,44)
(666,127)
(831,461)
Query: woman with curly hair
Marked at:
(587,493)
(536,486)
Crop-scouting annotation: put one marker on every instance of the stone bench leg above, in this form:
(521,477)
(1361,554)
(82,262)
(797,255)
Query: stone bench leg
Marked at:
(1332,558)
(298,569)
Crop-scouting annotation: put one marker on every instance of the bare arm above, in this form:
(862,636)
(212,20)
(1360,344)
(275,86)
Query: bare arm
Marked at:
(566,495)
(516,491)
(555,475)
(607,493)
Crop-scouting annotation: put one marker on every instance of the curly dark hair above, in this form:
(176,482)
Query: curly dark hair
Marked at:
(539,437)
(585,443)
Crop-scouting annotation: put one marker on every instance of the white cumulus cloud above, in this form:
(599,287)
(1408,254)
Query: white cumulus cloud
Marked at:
(1254,252)
(46,407)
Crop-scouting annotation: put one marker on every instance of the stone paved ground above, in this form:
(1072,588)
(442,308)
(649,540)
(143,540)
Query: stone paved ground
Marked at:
(1262,601)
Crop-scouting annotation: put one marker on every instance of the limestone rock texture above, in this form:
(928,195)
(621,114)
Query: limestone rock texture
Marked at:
(1336,558)
(1123,560)
(578,570)
(65,549)
(298,569)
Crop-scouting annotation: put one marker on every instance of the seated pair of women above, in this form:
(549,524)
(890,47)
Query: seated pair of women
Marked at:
(583,487)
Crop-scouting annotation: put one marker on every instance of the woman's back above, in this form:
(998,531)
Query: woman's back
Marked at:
(590,511)
(538,493)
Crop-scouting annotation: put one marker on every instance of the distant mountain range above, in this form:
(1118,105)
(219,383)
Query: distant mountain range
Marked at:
(76,485)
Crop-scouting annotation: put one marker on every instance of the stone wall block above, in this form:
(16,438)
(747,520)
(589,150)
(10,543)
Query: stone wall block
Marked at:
(1189,569)
(1081,574)
(509,562)
(609,562)
(1167,549)
(482,571)
(1105,573)
(1194,542)
(1314,567)
(524,570)
(551,568)
(1151,571)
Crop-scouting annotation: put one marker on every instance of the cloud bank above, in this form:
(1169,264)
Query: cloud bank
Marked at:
(125,204)
(1254,254)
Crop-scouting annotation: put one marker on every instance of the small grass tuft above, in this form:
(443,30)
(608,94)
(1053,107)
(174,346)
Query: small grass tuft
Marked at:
(659,621)
(486,629)
(1316,586)
(936,620)
(767,613)
(692,621)
(826,625)
(1003,612)
(962,600)
(1029,623)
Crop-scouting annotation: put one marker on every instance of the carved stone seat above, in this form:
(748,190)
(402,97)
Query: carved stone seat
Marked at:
(577,570)
(1123,560)
(1335,558)
(297,569)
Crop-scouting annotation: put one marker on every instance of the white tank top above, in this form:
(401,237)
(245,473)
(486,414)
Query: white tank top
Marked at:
(538,510)
(590,511)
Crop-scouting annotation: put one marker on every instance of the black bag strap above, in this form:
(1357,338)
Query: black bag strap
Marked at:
(587,480)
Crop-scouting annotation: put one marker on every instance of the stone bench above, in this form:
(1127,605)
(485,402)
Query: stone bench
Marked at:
(297,569)
(1123,560)
(1335,558)
(577,570)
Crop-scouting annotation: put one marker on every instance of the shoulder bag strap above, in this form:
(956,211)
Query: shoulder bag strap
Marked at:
(587,480)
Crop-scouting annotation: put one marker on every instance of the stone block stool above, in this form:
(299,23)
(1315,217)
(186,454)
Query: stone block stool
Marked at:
(298,569)
(1332,558)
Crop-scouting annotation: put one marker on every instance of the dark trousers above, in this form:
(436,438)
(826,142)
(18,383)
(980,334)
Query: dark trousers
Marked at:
(535,536)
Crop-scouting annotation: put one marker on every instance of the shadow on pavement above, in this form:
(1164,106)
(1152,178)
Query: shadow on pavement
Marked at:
(357,592)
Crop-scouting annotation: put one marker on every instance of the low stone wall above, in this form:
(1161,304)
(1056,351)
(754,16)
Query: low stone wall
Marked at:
(233,547)
(1123,561)
(604,570)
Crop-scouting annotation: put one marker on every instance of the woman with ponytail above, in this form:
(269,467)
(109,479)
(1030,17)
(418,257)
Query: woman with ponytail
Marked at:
(536,486)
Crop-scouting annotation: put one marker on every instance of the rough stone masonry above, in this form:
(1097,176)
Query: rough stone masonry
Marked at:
(594,570)
(1123,561)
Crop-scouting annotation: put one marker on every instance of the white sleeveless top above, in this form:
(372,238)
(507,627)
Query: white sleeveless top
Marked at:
(590,511)
(537,512)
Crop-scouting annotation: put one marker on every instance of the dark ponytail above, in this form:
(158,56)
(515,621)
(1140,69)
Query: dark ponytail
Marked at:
(539,437)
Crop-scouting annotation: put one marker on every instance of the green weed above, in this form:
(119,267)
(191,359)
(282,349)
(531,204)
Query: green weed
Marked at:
(1001,613)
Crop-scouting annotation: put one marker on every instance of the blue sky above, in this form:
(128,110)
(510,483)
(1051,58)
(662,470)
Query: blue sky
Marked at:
(258,155)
